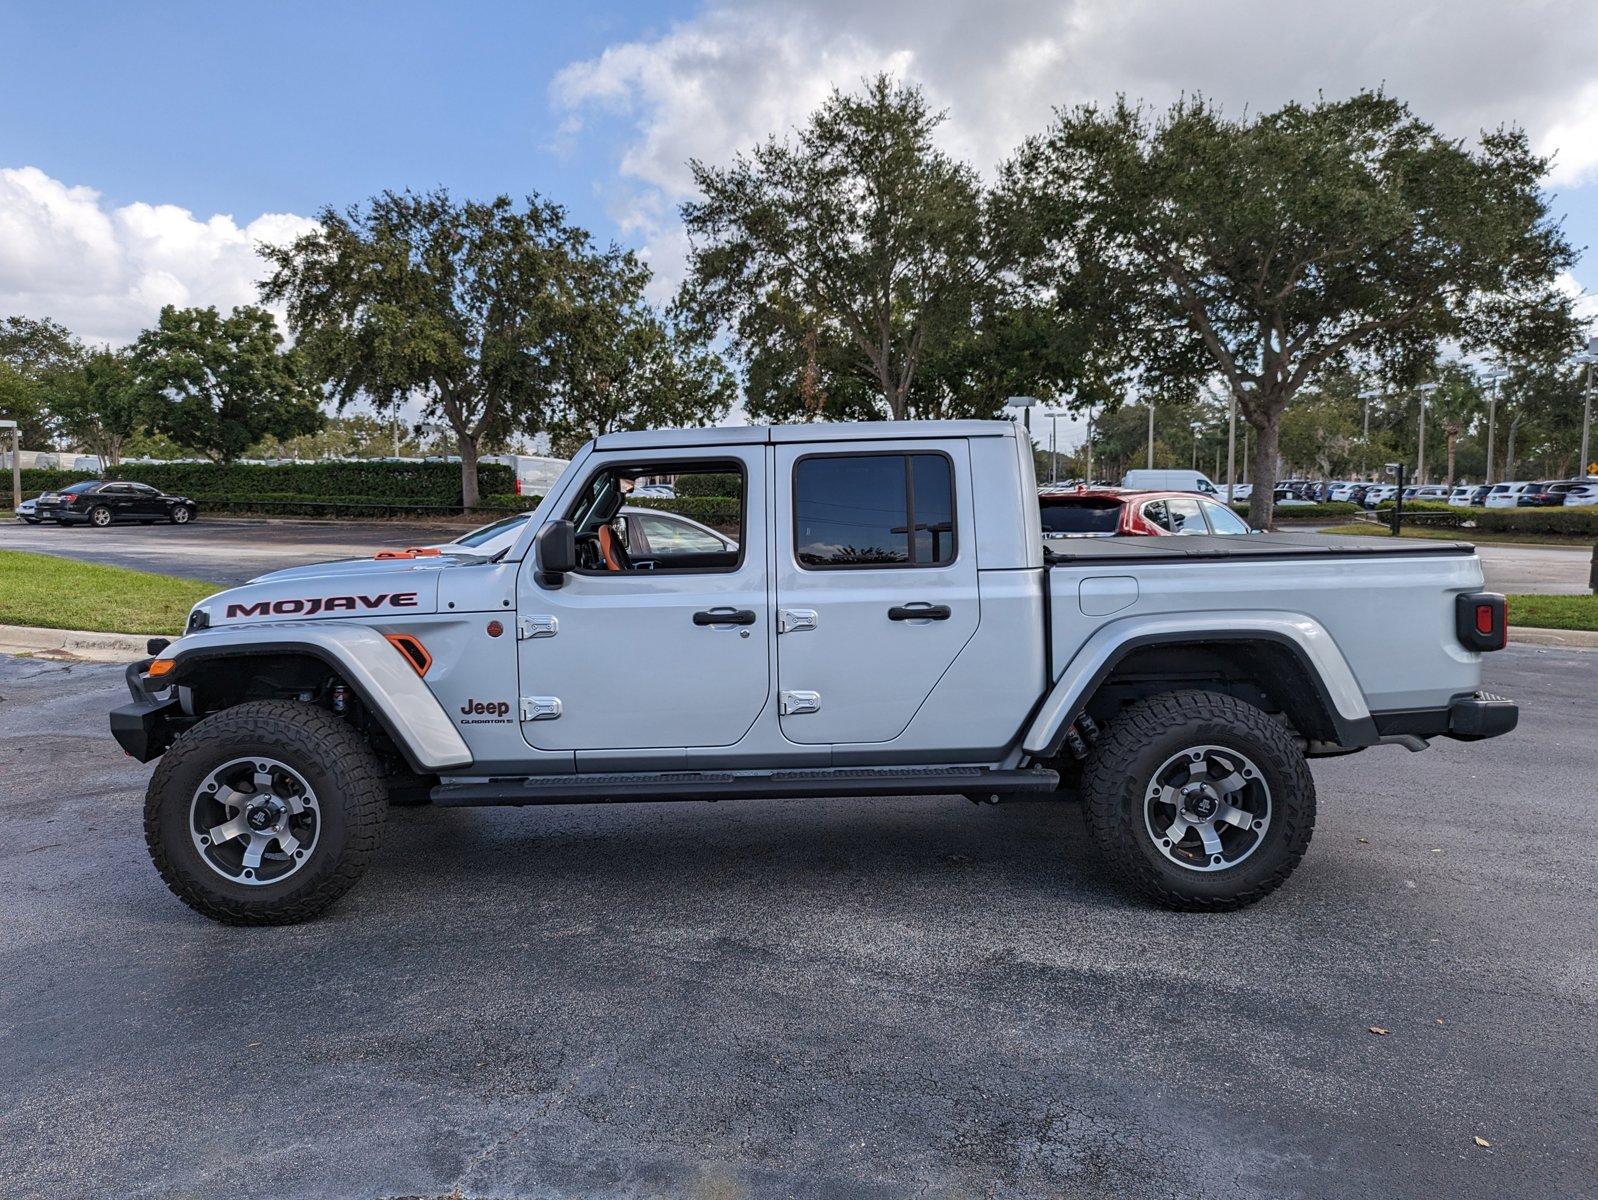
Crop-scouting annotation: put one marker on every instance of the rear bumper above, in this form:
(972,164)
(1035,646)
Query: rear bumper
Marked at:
(1467,719)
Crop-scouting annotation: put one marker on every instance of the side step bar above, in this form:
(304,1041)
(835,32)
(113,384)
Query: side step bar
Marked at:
(732,785)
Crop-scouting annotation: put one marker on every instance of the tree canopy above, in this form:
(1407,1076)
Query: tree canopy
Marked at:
(617,364)
(1276,248)
(217,385)
(839,259)
(456,304)
(99,402)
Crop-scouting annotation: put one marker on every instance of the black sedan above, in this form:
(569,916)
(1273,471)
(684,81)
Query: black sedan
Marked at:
(104,502)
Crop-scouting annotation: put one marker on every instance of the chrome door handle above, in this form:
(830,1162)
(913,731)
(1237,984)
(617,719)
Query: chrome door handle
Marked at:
(725,616)
(919,612)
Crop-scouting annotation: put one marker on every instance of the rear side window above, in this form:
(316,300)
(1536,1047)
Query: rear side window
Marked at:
(1062,518)
(873,510)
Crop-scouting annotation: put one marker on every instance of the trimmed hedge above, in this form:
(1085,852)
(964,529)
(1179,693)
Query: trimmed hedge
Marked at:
(1307,512)
(719,512)
(1576,523)
(423,484)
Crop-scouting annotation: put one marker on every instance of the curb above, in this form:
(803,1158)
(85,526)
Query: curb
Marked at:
(1570,639)
(77,645)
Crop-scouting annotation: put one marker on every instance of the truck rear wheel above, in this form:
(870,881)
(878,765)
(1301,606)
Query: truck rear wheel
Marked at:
(265,814)
(1199,801)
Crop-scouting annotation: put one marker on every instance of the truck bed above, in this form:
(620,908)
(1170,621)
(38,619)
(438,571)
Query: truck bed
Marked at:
(1266,545)
(1388,603)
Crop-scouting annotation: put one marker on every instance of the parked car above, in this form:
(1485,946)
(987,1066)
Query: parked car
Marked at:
(1241,492)
(1460,496)
(1341,492)
(889,627)
(1559,492)
(1170,481)
(655,491)
(28,511)
(1428,493)
(1118,512)
(102,503)
(1540,494)
(1580,493)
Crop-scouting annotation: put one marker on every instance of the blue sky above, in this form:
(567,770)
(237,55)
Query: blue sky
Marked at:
(145,148)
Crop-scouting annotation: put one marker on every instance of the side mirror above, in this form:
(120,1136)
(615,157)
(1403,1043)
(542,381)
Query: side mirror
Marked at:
(555,550)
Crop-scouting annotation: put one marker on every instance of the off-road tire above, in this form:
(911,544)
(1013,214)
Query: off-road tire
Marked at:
(327,753)
(1123,761)
(95,515)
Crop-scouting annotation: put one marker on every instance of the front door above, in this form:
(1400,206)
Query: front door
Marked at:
(876,584)
(652,645)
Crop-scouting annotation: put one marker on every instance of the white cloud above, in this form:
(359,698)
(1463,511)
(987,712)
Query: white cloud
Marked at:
(716,84)
(105,272)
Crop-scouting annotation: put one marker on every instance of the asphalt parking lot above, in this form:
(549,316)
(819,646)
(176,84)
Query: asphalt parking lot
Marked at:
(227,550)
(871,998)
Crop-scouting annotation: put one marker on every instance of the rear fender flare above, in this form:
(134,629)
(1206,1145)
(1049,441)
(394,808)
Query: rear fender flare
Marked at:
(1306,638)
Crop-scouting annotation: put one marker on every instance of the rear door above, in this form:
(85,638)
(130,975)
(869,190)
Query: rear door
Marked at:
(876,584)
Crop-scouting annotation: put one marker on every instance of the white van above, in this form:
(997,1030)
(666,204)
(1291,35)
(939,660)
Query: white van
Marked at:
(1170,481)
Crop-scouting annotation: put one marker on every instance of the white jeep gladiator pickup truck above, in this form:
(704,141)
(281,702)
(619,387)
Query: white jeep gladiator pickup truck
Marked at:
(869,610)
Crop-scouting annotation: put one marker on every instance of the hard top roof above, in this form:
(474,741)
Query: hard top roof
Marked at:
(831,431)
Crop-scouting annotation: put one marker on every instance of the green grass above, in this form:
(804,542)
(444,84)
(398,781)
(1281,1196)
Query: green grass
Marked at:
(62,593)
(1554,612)
(1495,537)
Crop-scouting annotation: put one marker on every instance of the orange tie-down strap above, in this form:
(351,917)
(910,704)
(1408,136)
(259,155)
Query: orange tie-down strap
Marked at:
(409,552)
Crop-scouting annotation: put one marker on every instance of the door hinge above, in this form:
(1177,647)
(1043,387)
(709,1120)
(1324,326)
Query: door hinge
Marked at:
(536,627)
(792,620)
(794,703)
(540,708)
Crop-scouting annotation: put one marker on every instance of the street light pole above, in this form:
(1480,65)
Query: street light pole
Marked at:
(1231,446)
(1151,435)
(1590,357)
(1196,427)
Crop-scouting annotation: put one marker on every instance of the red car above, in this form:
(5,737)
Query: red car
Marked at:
(1120,512)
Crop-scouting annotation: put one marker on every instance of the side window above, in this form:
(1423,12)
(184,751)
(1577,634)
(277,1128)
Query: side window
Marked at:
(667,535)
(1186,517)
(1224,520)
(874,510)
(1155,512)
(694,523)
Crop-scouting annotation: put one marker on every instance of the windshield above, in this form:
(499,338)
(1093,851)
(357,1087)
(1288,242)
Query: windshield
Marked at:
(1068,518)
(489,532)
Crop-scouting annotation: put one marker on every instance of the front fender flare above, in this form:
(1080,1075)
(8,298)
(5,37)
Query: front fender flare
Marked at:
(1337,689)
(380,676)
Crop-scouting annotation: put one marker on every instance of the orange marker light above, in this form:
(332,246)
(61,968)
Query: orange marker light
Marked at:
(160,667)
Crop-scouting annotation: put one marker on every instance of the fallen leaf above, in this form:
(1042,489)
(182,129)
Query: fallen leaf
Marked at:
(1483,1143)
(1439,1020)
(1364,841)
(252,1045)
(1378,1031)
(1437,849)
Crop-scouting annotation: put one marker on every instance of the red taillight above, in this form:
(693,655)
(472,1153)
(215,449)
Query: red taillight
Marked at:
(1481,620)
(69,498)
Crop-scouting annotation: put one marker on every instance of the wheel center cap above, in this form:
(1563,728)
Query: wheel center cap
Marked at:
(1198,801)
(263,816)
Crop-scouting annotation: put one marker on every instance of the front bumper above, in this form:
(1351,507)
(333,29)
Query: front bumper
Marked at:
(1467,719)
(144,728)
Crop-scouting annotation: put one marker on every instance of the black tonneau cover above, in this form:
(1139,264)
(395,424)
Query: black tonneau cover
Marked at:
(1182,548)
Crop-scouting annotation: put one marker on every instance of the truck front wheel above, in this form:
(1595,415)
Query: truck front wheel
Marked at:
(265,814)
(1199,801)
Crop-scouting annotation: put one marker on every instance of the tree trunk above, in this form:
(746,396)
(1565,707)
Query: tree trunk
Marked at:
(1262,500)
(1453,437)
(466,447)
(1509,449)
